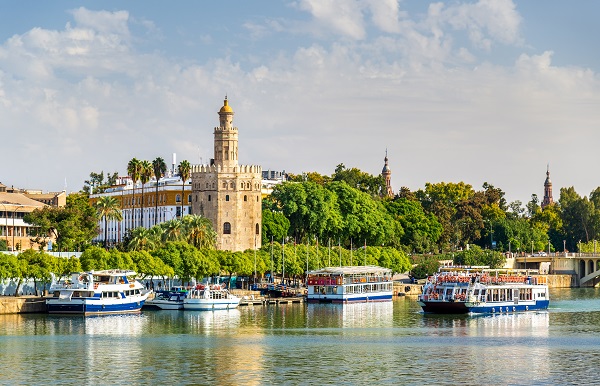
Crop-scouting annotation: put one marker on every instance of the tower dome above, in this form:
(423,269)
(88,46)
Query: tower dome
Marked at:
(226,108)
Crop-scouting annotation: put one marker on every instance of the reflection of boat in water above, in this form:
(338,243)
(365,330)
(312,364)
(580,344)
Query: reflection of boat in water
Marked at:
(349,284)
(352,315)
(460,290)
(216,320)
(210,297)
(167,300)
(97,292)
(116,325)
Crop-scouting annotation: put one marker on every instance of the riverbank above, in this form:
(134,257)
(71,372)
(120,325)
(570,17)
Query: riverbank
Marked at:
(22,304)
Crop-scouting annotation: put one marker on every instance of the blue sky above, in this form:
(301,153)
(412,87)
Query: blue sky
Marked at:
(473,91)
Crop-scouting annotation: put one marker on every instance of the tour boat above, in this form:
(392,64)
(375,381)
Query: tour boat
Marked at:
(167,300)
(350,284)
(210,297)
(97,292)
(460,290)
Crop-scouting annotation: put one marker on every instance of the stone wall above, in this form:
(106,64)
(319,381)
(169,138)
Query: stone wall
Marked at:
(22,304)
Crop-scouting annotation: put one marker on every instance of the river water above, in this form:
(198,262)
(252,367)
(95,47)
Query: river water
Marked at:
(298,344)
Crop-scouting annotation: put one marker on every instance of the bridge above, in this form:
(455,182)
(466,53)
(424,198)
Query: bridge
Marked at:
(584,266)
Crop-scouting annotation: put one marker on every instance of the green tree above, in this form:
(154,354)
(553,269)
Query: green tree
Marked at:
(134,171)
(95,258)
(39,266)
(184,172)
(143,239)
(97,184)
(73,226)
(108,208)
(159,168)
(274,225)
(199,232)
(421,230)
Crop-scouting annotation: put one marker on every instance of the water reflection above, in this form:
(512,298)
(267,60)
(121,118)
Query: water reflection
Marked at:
(357,315)
(373,343)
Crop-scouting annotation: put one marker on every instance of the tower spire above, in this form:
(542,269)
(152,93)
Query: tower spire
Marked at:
(547,189)
(387,175)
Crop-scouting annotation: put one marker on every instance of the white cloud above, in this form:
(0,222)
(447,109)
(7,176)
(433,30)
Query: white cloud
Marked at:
(342,17)
(83,99)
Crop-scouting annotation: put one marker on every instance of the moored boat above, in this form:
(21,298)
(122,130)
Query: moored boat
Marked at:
(210,297)
(97,292)
(167,300)
(460,290)
(350,284)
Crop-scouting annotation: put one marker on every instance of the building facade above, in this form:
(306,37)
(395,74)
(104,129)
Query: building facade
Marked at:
(144,207)
(13,229)
(227,193)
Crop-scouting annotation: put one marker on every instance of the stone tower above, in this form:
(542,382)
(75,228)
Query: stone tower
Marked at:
(227,193)
(387,175)
(547,190)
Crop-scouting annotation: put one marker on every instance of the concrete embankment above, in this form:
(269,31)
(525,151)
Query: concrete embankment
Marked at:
(22,304)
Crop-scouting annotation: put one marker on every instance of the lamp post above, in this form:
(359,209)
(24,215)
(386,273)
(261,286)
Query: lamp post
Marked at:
(580,248)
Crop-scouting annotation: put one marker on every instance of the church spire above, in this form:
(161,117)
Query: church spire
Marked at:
(387,175)
(547,189)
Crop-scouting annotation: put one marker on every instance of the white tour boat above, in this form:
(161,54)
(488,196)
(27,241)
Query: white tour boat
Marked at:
(351,284)
(460,290)
(210,297)
(97,292)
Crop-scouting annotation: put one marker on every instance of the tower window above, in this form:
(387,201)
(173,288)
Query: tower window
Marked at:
(226,228)
(227,197)
(245,198)
(209,197)
(257,229)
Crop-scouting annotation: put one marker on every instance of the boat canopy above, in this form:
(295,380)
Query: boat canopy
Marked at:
(352,270)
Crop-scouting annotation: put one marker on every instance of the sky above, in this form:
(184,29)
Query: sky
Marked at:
(472,91)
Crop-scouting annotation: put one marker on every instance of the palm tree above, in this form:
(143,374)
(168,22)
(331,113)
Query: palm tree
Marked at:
(145,174)
(199,232)
(144,239)
(160,168)
(133,169)
(108,208)
(171,230)
(184,173)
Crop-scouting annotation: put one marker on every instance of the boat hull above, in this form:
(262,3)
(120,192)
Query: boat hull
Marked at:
(344,299)
(210,305)
(163,305)
(442,307)
(56,306)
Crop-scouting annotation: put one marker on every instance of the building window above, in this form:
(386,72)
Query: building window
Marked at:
(224,185)
(227,197)
(232,185)
(245,198)
(226,228)
(189,198)
(178,198)
(209,197)
(257,229)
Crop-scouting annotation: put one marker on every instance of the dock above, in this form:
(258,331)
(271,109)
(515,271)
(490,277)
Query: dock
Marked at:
(264,301)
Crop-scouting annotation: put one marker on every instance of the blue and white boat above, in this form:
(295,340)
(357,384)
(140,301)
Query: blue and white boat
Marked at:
(461,290)
(350,284)
(97,292)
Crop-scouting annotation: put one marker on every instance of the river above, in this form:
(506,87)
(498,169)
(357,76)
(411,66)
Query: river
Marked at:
(297,344)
